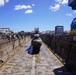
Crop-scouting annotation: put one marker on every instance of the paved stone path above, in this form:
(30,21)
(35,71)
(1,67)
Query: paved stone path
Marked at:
(44,63)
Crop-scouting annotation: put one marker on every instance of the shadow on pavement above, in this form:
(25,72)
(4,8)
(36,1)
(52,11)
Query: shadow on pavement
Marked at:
(61,71)
(30,50)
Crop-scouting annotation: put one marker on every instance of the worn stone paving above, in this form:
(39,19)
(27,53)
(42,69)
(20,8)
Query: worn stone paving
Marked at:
(44,63)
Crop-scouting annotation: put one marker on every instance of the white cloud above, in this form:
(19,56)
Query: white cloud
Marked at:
(28,7)
(6,1)
(59,3)
(62,1)
(75,11)
(29,11)
(68,14)
(55,8)
(2,2)
(19,7)
(33,4)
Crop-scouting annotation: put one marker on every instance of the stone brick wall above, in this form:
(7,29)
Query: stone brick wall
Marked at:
(64,47)
(8,48)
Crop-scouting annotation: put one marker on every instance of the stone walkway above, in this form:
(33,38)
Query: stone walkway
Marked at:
(44,63)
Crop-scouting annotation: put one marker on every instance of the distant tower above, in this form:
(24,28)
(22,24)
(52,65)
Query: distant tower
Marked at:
(36,30)
(59,30)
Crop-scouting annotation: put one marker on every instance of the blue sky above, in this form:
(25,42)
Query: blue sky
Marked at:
(25,15)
